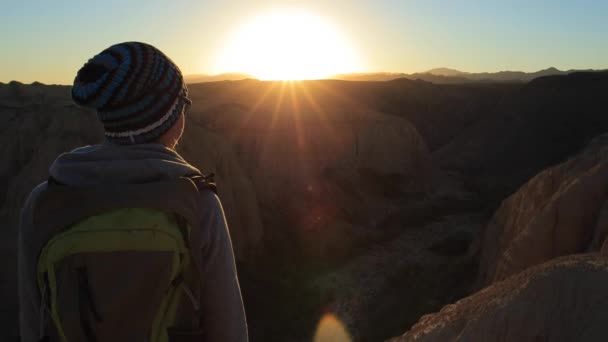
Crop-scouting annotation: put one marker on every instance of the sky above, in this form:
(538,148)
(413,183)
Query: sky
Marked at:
(49,40)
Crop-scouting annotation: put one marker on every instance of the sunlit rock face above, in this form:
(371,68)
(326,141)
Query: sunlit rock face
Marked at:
(561,211)
(543,260)
(561,300)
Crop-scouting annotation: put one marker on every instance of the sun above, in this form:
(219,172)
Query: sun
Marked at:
(287,45)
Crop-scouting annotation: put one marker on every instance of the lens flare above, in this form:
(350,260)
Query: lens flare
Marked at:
(330,329)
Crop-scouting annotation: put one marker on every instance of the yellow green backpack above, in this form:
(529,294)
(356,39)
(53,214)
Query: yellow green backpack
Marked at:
(119,262)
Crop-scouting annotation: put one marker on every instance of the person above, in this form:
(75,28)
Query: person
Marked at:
(141,100)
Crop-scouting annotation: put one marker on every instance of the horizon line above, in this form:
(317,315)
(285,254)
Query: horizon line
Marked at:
(247,76)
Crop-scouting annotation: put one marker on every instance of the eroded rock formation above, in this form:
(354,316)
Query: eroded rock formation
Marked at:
(562,300)
(560,211)
(539,285)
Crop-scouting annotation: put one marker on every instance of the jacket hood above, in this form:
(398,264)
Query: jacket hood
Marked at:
(113,164)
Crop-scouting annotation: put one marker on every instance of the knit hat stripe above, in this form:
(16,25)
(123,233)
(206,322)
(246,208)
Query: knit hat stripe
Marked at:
(148,128)
(160,71)
(150,106)
(150,136)
(166,79)
(163,103)
(86,91)
(164,127)
(150,57)
(106,60)
(138,92)
(111,89)
(137,62)
(156,58)
(91,68)
(127,110)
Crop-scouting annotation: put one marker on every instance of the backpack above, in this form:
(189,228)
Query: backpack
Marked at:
(116,262)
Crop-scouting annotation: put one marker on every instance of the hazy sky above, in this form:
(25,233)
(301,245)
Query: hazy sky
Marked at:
(48,40)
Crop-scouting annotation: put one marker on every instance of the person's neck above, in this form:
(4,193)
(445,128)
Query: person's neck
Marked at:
(168,143)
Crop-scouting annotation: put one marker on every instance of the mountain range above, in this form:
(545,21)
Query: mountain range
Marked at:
(437,75)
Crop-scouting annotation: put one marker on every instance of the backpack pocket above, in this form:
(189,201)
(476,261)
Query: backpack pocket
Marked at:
(185,335)
(111,277)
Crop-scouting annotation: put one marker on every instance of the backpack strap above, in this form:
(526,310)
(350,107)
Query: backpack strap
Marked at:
(51,181)
(193,240)
(86,305)
(203,181)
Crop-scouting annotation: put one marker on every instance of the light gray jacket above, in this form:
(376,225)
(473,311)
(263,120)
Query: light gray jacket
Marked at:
(222,305)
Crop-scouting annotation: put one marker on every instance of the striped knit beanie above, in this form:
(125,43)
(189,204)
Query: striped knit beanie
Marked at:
(137,91)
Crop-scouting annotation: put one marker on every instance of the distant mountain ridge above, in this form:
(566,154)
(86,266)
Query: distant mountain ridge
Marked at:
(437,75)
(201,78)
(500,75)
(446,75)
